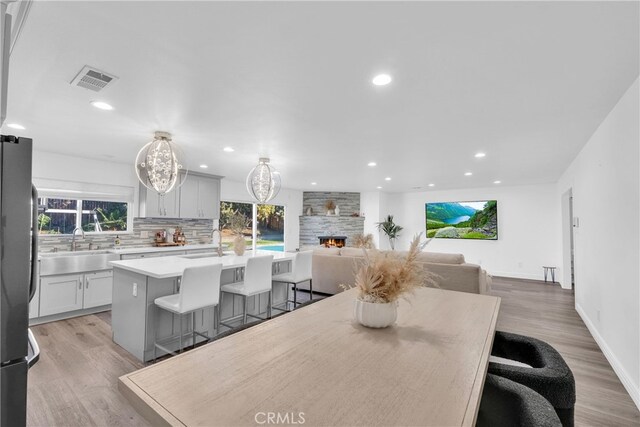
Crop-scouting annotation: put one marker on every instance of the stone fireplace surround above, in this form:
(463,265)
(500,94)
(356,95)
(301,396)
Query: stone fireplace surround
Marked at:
(320,224)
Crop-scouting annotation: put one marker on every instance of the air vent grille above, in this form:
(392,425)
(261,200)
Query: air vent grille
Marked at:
(93,79)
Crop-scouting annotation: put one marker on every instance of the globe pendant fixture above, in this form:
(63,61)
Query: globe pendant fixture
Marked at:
(159,163)
(263,182)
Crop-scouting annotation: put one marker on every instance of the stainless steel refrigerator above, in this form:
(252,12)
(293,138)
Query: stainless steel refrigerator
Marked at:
(18,276)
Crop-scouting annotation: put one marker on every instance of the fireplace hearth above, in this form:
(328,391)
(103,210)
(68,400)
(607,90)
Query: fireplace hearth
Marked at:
(333,241)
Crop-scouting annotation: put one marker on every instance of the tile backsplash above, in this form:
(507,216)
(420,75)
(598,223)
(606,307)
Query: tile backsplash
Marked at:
(201,227)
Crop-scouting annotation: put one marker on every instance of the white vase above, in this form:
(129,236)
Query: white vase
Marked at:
(337,211)
(239,245)
(375,315)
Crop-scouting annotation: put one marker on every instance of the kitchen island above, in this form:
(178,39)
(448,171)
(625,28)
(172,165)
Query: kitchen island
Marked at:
(138,282)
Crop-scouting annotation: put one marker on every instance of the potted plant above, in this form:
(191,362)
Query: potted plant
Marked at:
(391,229)
(383,279)
(238,222)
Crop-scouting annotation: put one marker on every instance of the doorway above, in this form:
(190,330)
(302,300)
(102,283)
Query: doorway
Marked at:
(569,222)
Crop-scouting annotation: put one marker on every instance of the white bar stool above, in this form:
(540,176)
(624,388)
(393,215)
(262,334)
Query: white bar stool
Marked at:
(199,289)
(300,273)
(257,280)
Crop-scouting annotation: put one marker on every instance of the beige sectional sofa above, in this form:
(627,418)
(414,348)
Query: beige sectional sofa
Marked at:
(334,266)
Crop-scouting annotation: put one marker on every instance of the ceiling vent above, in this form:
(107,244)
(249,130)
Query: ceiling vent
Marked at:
(93,79)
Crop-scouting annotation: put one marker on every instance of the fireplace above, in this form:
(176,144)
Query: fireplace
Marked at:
(333,241)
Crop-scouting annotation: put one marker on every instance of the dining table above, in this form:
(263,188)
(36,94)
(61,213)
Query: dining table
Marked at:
(318,366)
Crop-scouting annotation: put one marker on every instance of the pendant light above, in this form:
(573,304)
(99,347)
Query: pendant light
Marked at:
(263,182)
(159,163)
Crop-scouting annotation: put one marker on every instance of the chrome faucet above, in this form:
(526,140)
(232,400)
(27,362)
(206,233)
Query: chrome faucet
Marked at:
(219,250)
(73,239)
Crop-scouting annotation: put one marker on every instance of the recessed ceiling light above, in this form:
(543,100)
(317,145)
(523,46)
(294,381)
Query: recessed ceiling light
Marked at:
(102,105)
(497,182)
(431,185)
(381,79)
(204,166)
(228,149)
(372,164)
(468,173)
(15,126)
(379,188)
(314,183)
(480,155)
(388,178)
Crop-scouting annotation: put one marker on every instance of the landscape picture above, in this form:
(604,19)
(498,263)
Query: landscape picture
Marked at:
(462,220)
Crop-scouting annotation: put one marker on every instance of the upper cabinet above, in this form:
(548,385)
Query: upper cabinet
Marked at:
(153,205)
(200,197)
(197,197)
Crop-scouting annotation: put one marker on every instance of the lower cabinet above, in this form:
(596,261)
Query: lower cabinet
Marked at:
(59,294)
(98,288)
(34,304)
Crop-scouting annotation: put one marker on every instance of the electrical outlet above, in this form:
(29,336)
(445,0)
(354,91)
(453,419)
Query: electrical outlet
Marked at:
(144,234)
(519,264)
(135,289)
(194,233)
(479,262)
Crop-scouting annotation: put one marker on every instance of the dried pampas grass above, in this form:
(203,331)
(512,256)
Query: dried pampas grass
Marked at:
(363,241)
(385,277)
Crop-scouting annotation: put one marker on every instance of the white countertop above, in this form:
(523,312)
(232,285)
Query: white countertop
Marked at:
(147,249)
(173,266)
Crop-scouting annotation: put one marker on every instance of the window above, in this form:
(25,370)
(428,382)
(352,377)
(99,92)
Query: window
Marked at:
(236,216)
(62,216)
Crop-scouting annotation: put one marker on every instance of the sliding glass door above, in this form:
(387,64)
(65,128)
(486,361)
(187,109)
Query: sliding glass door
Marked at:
(270,220)
(238,218)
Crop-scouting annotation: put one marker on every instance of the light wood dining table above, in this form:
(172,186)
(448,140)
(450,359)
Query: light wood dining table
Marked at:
(316,366)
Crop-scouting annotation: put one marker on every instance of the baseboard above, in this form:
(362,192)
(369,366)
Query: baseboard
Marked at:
(626,380)
(527,276)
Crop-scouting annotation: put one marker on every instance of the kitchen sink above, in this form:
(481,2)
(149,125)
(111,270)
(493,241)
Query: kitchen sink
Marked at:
(75,262)
(76,253)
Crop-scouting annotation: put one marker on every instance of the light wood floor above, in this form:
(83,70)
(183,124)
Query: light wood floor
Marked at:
(75,381)
(547,312)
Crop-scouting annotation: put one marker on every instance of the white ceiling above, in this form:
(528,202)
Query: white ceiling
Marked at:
(527,83)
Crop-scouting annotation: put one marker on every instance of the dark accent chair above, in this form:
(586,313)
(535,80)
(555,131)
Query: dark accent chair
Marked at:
(506,403)
(237,329)
(306,303)
(549,374)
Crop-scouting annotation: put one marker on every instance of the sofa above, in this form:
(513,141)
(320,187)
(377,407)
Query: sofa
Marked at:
(334,266)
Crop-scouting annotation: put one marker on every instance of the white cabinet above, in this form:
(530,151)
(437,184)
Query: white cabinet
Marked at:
(98,288)
(209,198)
(197,197)
(190,198)
(153,205)
(70,292)
(34,304)
(200,197)
(60,293)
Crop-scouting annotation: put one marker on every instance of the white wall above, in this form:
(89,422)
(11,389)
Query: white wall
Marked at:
(61,167)
(528,228)
(370,207)
(291,199)
(68,168)
(604,179)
